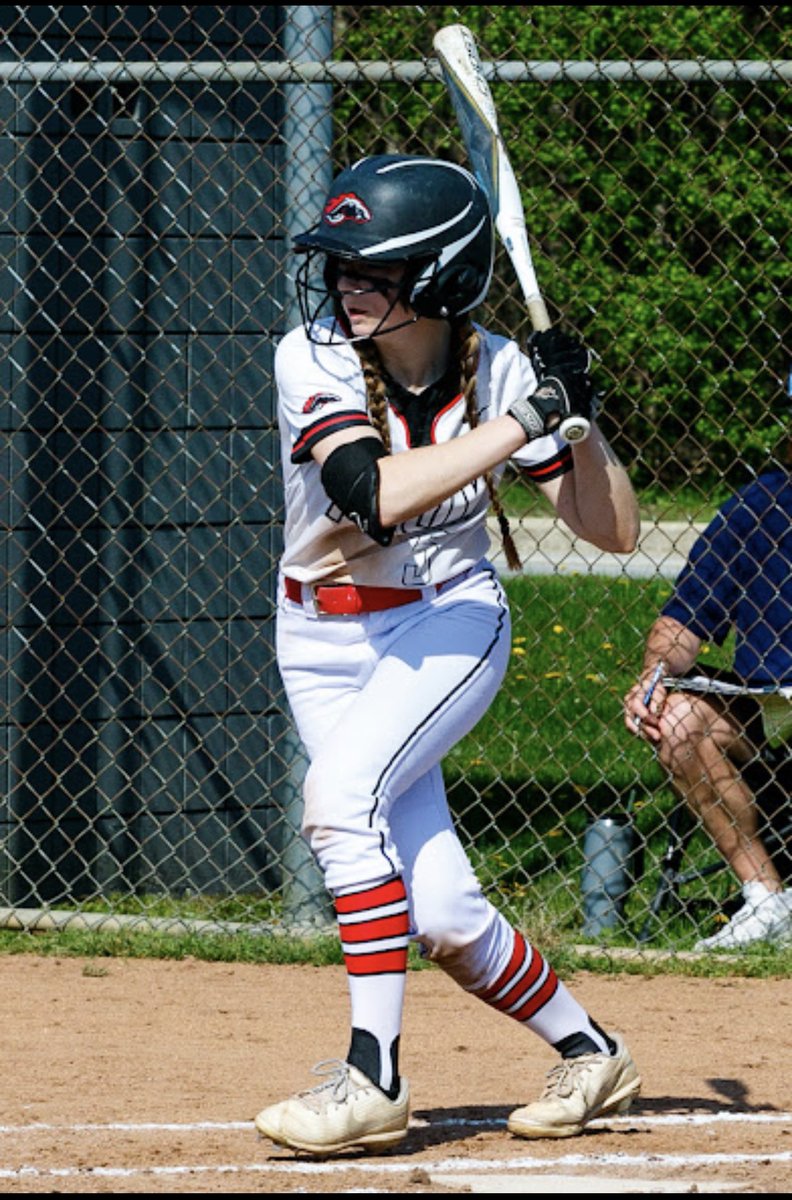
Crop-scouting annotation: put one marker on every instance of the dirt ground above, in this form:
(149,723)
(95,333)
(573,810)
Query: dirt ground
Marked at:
(144,1076)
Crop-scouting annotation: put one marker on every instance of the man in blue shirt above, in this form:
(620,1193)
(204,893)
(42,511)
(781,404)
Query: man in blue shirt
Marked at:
(738,578)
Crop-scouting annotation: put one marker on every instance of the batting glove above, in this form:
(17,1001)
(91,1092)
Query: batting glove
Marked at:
(564,389)
(553,352)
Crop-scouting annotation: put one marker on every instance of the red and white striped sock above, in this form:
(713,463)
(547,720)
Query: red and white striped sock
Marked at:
(529,990)
(374,924)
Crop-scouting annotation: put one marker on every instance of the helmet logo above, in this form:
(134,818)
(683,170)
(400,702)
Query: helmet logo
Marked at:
(348,207)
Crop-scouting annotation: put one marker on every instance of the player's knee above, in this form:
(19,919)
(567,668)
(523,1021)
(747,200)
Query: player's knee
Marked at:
(318,807)
(682,727)
(311,802)
(335,818)
(454,927)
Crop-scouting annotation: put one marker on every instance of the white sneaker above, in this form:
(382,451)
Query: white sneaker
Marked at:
(764,917)
(577,1091)
(344,1112)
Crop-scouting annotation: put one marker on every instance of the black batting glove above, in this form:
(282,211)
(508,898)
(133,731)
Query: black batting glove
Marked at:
(561,363)
(553,352)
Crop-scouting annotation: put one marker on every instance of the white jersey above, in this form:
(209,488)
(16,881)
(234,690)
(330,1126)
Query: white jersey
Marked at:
(320,391)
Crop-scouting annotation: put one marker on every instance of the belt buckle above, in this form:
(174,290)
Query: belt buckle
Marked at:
(316,605)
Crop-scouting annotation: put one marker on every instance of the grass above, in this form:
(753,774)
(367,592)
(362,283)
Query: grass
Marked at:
(521,499)
(556,724)
(567,957)
(320,950)
(551,753)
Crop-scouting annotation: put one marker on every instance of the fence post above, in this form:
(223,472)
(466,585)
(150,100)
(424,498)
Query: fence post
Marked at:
(307,171)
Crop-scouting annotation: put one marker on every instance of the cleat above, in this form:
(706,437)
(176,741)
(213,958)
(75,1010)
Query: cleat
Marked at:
(765,917)
(344,1112)
(578,1090)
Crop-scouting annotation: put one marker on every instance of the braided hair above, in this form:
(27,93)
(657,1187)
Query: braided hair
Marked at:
(465,345)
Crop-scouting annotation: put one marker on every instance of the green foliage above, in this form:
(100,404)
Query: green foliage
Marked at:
(659,211)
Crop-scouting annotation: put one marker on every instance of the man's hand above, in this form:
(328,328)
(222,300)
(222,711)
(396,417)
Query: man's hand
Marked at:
(644,703)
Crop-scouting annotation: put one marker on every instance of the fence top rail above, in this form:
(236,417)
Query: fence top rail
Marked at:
(398,71)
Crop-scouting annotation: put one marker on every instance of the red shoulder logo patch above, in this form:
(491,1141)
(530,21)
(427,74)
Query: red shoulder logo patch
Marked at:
(318,401)
(348,207)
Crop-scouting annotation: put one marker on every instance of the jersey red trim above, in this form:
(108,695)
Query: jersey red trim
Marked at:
(439,415)
(301,450)
(551,468)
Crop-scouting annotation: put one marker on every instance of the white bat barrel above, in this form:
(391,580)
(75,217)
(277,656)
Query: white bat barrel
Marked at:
(472,99)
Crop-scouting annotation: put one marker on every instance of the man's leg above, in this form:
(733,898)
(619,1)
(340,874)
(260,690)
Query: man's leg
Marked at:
(703,747)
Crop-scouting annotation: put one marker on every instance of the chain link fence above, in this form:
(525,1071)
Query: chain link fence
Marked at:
(155,162)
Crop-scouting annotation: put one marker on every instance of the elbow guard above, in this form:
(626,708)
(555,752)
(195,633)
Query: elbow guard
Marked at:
(351,480)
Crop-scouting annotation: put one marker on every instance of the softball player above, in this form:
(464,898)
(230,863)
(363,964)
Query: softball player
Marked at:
(397,416)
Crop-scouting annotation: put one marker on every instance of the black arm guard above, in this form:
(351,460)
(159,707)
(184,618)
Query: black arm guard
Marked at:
(351,480)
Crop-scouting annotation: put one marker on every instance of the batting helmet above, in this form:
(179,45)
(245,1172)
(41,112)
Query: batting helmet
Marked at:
(426,212)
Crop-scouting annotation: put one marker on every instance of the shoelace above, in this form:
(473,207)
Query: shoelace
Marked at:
(335,1087)
(563,1078)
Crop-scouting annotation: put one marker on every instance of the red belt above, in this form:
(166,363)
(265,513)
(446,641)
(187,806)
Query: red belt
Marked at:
(346,599)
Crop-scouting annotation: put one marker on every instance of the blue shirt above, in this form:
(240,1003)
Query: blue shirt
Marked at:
(739,576)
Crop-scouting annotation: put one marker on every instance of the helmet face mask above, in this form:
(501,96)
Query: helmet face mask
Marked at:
(426,213)
(321,300)
(365,278)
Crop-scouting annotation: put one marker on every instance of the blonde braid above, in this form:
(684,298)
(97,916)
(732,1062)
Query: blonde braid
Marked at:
(375,390)
(468,350)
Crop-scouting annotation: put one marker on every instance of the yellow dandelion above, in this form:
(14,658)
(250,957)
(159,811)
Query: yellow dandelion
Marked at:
(519,651)
(558,629)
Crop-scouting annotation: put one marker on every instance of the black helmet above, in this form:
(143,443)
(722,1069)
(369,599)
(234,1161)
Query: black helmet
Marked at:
(427,212)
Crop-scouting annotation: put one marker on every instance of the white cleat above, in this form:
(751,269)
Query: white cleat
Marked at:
(578,1090)
(344,1112)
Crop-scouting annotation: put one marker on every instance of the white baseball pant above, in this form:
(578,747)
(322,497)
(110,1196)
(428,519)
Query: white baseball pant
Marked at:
(379,700)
